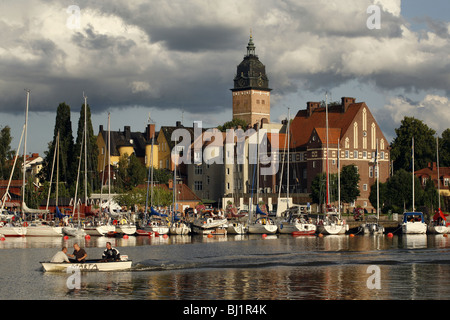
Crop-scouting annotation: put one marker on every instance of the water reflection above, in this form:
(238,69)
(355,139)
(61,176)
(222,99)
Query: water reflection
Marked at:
(238,268)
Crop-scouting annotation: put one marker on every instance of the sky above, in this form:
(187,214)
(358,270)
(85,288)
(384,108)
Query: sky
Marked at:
(176,60)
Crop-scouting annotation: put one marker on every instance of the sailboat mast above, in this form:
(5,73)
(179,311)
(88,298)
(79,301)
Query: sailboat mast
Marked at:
(327,166)
(288,162)
(109,162)
(412,151)
(438,176)
(85,151)
(378,184)
(339,177)
(25,148)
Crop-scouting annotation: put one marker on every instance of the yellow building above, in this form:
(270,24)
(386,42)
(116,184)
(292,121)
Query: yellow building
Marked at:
(127,142)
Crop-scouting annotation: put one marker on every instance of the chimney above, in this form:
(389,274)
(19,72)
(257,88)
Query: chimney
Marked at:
(346,101)
(150,131)
(178,124)
(310,107)
(100,129)
(127,131)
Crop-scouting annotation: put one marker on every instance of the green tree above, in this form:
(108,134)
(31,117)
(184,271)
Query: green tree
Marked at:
(67,165)
(93,176)
(424,145)
(137,173)
(233,124)
(319,188)
(383,187)
(349,184)
(5,152)
(444,149)
(399,190)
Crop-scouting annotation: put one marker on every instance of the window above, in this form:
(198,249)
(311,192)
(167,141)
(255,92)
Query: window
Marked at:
(347,155)
(198,185)
(364,154)
(198,170)
(365,186)
(370,171)
(446,182)
(355,154)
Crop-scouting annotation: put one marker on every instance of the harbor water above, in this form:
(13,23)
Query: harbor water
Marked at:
(247,267)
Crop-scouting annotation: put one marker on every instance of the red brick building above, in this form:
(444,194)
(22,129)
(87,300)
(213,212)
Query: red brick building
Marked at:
(352,130)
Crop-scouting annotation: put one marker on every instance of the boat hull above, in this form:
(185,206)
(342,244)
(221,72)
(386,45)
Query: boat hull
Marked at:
(74,232)
(90,265)
(126,229)
(299,228)
(236,228)
(332,229)
(258,228)
(13,231)
(99,230)
(179,229)
(414,228)
(44,231)
(371,228)
(431,229)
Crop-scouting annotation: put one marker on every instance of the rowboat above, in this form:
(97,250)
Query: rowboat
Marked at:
(89,265)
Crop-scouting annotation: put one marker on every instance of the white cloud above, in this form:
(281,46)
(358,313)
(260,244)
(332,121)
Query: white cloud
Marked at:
(433,110)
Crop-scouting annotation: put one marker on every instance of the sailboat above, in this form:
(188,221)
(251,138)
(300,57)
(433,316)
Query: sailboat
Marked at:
(374,227)
(11,228)
(439,223)
(37,227)
(413,222)
(295,222)
(332,223)
(102,227)
(263,224)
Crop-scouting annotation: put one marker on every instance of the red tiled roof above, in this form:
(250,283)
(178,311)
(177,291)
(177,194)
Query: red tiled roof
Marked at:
(334,135)
(302,125)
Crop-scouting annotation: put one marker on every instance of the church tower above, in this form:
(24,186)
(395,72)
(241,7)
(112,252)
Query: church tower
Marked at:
(251,92)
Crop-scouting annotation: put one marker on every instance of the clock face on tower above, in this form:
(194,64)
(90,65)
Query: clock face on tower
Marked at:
(241,82)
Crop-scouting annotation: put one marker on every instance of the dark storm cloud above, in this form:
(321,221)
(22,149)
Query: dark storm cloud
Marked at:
(183,54)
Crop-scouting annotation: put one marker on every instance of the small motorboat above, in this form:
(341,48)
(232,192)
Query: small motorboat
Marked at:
(89,265)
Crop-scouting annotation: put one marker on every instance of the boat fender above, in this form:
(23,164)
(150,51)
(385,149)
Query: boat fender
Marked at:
(25,224)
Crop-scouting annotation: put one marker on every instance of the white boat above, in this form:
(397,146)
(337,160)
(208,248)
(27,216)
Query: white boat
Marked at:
(413,223)
(371,228)
(37,229)
(10,230)
(99,230)
(180,228)
(331,225)
(296,223)
(128,229)
(207,225)
(236,227)
(157,226)
(263,226)
(74,231)
(89,265)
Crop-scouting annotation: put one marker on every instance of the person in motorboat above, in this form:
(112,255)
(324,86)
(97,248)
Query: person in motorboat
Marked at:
(78,253)
(110,253)
(60,256)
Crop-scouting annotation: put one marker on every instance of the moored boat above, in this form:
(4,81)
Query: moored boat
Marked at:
(263,226)
(439,223)
(89,265)
(38,229)
(9,230)
(413,223)
(331,225)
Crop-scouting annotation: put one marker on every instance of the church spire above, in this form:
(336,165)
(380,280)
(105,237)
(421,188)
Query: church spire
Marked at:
(251,46)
